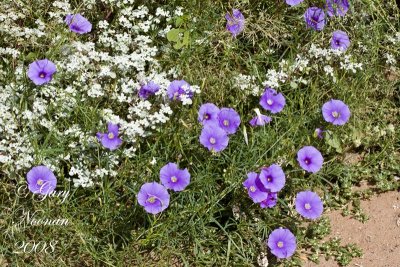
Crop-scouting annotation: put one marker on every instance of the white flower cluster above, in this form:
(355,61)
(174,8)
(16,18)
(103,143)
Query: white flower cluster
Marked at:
(100,75)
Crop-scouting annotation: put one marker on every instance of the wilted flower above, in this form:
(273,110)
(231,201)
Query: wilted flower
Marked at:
(153,197)
(174,178)
(336,112)
(319,133)
(272,101)
(208,112)
(337,7)
(310,159)
(340,40)
(110,140)
(214,138)
(41,180)
(293,2)
(41,71)
(179,88)
(273,178)
(148,89)
(229,120)
(315,18)
(235,23)
(282,243)
(270,201)
(77,23)
(260,120)
(309,205)
(255,188)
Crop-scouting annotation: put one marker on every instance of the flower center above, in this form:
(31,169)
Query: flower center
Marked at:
(307,206)
(252,188)
(151,199)
(41,75)
(212,140)
(206,116)
(269,178)
(337,42)
(39,182)
(270,102)
(307,161)
(111,135)
(280,244)
(174,179)
(226,122)
(335,114)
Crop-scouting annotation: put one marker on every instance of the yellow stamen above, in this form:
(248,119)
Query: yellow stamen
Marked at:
(111,135)
(212,140)
(252,189)
(280,244)
(151,199)
(174,179)
(307,206)
(226,122)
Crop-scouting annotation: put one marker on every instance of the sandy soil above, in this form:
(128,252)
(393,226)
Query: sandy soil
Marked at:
(379,237)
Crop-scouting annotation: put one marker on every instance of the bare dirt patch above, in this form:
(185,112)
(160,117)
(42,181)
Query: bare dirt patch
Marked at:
(379,237)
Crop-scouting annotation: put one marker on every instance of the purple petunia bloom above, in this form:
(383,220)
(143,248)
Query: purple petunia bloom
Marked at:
(270,201)
(309,205)
(336,112)
(179,88)
(272,101)
(337,7)
(293,2)
(41,71)
(310,159)
(214,138)
(260,120)
(315,18)
(208,112)
(282,243)
(41,180)
(77,23)
(148,89)
(110,140)
(256,190)
(273,178)
(340,40)
(235,23)
(174,178)
(229,120)
(153,197)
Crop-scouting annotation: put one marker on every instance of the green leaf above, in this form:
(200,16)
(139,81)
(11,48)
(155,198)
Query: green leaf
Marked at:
(186,38)
(333,141)
(173,35)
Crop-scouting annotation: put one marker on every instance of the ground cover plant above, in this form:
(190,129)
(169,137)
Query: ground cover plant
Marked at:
(192,133)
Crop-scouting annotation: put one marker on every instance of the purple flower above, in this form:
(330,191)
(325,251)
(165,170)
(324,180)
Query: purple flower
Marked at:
(272,101)
(174,178)
(148,89)
(214,138)
(319,133)
(315,18)
(293,2)
(41,71)
(336,112)
(282,243)
(309,205)
(179,88)
(153,197)
(41,180)
(310,159)
(77,23)
(260,120)
(235,23)
(337,7)
(110,140)
(208,112)
(229,120)
(256,190)
(340,40)
(270,201)
(273,178)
